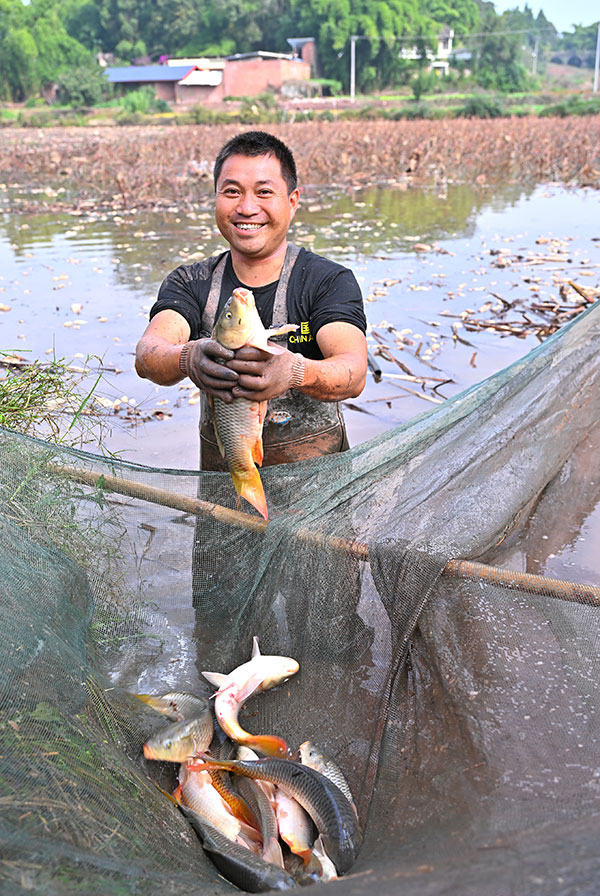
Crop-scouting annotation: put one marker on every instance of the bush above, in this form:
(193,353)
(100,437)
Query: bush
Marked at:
(480,107)
(573,106)
(424,82)
(82,86)
(141,100)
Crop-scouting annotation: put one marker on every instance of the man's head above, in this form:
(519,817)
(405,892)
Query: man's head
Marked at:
(259,143)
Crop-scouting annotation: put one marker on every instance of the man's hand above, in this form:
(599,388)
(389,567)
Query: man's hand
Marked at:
(206,367)
(261,376)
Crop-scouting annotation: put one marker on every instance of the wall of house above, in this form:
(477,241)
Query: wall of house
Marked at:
(166,90)
(309,54)
(249,77)
(199,93)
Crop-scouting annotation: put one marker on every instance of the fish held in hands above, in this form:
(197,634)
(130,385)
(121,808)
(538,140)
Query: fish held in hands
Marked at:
(259,674)
(239,424)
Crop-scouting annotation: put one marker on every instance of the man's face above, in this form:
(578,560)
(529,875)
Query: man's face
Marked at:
(254,210)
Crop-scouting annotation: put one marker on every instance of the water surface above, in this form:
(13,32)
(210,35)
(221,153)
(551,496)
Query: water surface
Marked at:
(82,285)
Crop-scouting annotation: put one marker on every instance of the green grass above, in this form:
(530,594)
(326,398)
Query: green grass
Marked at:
(46,400)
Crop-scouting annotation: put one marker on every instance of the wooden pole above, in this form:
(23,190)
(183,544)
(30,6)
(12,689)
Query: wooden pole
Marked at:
(460,569)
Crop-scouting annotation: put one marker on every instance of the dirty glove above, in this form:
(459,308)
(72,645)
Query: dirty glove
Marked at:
(203,360)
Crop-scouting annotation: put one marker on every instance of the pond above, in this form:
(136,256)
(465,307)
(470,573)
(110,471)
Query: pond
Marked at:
(458,284)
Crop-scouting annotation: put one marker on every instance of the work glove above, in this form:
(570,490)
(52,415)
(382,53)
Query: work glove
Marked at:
(203,360)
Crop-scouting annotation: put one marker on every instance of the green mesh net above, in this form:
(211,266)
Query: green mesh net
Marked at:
(462,705)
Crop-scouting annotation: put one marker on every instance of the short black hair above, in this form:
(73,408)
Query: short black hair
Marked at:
(259,143)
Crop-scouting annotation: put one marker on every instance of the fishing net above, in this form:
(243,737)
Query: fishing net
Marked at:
(461,704)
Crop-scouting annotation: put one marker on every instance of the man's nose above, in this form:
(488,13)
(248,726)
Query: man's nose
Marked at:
(247,204)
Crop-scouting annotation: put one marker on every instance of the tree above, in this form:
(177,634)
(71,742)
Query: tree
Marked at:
(497,59)
(56,50)
(460,15)
(18,57)
(381,25)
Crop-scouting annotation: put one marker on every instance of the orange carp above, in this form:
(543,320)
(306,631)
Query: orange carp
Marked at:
(238,424)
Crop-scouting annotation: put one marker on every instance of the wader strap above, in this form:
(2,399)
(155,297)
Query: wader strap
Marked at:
(280,314)
(212,303)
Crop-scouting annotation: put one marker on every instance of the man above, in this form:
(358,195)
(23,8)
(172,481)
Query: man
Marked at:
(326,358)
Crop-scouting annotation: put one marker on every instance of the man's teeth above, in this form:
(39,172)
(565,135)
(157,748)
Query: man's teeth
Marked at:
(249,226)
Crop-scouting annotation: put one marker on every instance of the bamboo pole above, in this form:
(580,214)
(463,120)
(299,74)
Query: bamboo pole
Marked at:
(460,569)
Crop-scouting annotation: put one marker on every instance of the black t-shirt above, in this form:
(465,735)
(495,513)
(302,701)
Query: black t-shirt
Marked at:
(320,291)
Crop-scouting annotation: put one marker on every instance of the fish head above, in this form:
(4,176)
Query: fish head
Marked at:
(237,320)
(169,749)
(178,742)
(275,670)
(309,753)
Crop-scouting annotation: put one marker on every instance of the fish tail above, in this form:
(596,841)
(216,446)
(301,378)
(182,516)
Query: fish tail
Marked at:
(249,486)
(269,744)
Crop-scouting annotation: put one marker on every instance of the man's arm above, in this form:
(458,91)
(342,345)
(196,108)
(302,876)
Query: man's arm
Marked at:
(158,350)
(340,375)
(158,355)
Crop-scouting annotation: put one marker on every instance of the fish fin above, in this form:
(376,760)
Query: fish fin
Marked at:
(250,487)
(282,331)
(255,647)
(218,679)
(269,744)
(253,682)
(257,452)
(271,852)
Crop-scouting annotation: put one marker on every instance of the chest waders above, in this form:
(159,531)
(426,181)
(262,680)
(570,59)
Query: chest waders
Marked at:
(296,426)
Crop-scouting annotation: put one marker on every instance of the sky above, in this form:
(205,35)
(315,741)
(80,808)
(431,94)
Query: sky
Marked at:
(562,13)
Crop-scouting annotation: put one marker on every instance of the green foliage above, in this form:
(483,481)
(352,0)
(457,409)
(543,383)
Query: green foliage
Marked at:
(381,24)
(143,101)
(497,61)
(480,107)
(82,86)
(46,401)
(204,115)
(573,106)
(18,58)
(423,82)
(581,40)
(56,50)
(460,15)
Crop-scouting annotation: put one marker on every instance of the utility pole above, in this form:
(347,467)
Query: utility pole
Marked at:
(535,55)
(597,66)
(353,40)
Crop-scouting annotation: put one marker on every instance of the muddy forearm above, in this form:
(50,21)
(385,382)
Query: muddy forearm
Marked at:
(334,379)
(158,360)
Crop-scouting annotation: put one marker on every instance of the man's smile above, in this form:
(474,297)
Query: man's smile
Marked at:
(242,225)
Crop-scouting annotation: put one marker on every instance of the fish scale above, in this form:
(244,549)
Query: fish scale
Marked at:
(238,424)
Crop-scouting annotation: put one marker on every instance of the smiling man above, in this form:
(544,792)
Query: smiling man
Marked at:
(325,360)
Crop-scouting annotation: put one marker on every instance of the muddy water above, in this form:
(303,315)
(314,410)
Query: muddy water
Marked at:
(78,286)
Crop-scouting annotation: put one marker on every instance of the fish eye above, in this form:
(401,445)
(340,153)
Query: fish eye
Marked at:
(228,315)
(168,744)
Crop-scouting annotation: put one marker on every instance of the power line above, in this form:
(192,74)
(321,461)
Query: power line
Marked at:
(458,37)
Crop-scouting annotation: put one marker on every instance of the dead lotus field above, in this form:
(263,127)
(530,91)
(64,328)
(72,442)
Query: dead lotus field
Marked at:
(157,166)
